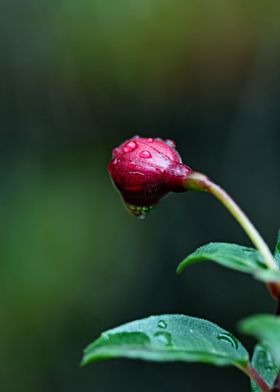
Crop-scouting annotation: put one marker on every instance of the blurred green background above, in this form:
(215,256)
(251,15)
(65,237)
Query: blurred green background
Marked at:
(77,78)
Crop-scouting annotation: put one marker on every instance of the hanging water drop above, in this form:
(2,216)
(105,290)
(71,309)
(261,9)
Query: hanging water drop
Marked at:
(139,211)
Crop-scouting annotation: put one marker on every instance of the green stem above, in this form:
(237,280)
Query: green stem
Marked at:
(200,182)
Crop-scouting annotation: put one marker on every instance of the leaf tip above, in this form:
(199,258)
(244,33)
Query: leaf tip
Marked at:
(180,268)
(83,362)
(86,358)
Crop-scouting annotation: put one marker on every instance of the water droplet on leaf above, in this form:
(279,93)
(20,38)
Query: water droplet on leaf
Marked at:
(162,324)
(164,338)
(106,338)
(227,337)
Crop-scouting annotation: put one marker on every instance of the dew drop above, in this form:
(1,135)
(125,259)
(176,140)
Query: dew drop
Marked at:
(106,338)
(130,146)
(145,155)
(150,140)
(162,324)
(170,143)
(164,338)
(115,152)
(139,211)
(227,337)
(131,165)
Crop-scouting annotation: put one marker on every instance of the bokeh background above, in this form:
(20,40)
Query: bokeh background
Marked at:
(77,78)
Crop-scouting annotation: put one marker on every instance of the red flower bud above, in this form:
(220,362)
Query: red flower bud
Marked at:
(144,170)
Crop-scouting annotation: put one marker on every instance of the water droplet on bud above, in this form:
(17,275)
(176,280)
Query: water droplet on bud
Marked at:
(130,146)
(150,140)
(170,143)
(145,155)
(131,165)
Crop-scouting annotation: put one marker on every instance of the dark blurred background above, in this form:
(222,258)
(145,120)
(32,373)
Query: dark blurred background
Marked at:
(77,78)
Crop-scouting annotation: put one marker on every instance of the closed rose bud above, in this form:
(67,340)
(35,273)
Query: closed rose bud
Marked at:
(144,170)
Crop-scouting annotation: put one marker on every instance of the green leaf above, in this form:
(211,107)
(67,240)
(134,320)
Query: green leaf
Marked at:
(169,338)
(237,257)
(266,328)
(277,249)
(264,365)
(267,275)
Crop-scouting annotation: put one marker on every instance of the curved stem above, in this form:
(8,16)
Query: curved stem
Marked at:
(200,182)
(276,386)
(257,378)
